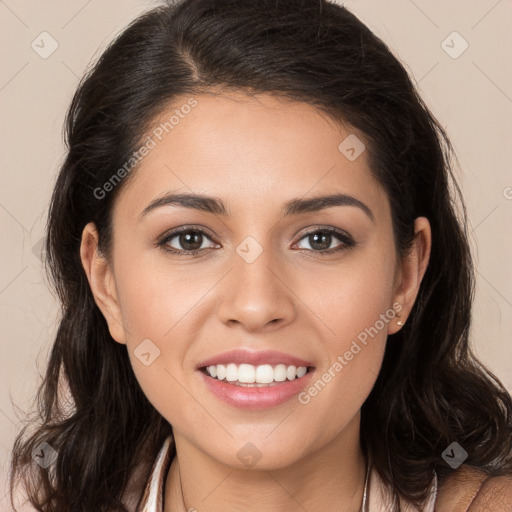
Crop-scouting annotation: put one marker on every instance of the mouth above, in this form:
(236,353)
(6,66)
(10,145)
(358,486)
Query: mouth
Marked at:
(255,380)
(251,376)
(269,386)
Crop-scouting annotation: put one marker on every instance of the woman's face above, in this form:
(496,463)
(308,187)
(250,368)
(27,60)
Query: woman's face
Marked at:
(266,277)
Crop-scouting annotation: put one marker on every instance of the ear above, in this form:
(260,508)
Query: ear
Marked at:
(411,271)
(102,282)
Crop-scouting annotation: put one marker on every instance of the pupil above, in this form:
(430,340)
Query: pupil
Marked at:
(187,239)
(323,245)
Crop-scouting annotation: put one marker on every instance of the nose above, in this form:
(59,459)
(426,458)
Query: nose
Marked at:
(257,295)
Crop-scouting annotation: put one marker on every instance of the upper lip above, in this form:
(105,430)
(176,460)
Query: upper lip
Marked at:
(239,356)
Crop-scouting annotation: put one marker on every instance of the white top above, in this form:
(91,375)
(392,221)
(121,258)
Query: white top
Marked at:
(380,500)
(152,499)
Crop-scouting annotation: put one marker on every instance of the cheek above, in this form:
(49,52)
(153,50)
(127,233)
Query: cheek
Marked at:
(354,304)
(349,297)
(161,307)
(155,295)
(352,362)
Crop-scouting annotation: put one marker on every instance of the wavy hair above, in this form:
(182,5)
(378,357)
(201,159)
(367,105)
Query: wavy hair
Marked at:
(431,389)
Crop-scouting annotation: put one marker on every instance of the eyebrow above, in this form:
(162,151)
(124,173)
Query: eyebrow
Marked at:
(295,206)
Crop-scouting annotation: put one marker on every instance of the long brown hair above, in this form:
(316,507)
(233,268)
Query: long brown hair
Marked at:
(431,390)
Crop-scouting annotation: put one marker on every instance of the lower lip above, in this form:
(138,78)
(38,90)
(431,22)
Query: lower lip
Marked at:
(256,398)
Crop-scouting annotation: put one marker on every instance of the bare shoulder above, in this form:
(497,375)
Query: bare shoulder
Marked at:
(470,489)
(495,495)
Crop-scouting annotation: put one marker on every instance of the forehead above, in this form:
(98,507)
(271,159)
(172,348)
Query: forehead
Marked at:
(250,151)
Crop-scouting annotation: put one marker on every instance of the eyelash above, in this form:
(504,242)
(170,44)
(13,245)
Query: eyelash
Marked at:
(347,241)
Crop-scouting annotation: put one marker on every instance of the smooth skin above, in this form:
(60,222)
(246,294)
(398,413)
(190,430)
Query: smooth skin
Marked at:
(255,154)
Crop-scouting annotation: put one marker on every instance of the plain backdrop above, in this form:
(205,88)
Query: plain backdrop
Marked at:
(469,89)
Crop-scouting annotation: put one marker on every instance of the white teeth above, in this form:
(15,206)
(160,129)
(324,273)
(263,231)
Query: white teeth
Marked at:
(231,372)
(245,374)
(264,374)
(220,369)
(280,373)
(301,371)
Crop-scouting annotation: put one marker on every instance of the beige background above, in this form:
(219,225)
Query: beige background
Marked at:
(471,95)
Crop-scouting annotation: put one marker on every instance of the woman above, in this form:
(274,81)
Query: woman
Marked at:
(266,287)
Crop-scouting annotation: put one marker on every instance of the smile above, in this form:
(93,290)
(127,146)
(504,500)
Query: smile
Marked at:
(248,375)
(256,395)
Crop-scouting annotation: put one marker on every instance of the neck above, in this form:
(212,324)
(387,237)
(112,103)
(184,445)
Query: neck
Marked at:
(330,479)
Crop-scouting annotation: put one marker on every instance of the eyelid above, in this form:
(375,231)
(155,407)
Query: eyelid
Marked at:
(324,228)
(171,233)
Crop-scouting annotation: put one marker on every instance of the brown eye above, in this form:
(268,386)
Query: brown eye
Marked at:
(186,241)
(320,240)
(190,241)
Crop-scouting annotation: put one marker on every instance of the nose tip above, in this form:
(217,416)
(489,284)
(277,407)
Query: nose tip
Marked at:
(255,322)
